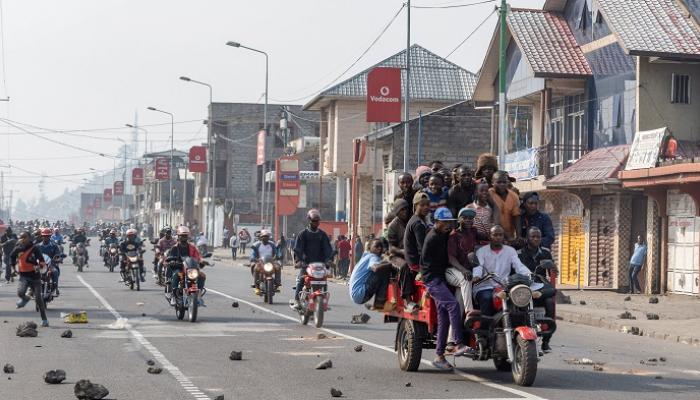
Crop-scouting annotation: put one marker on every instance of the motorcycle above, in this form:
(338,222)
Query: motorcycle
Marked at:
(158,268)
(80,255)
(112,260)
(48,288)
(265,272)
(314,295)
(187,293)
(103,248)
(132,273)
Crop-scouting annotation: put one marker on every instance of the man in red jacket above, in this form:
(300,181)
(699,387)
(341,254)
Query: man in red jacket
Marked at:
(30,260)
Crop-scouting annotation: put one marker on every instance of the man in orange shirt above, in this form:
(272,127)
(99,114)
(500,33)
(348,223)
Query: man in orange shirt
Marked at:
(30,260)
(507,203)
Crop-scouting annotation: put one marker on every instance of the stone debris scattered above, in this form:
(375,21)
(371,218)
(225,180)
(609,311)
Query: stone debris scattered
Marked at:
(8,369)
(582,302)
(234,305)
(653,300)
(336,393)
(408,384)
(360,319)
(628,298)
(219,397)
(325,364)
(55,377)
(627,315)
(150,363)
(236,355)
(662,359)
(86,390)
(67,334)
(633,330)
(321,336)
(154,370)
(27,329)
(358,348)
(652,316)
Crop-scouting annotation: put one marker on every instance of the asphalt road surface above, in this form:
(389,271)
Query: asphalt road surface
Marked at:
(128,328)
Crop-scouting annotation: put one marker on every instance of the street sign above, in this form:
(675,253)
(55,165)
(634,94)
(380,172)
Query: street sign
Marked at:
(107,195)
(137,176)
(162,169)
(119,188)
(384,95)
(198,159)
(261,148)
(287,185)
(98,203)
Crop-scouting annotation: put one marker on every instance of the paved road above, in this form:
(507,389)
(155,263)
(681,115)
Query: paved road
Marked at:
(280,354)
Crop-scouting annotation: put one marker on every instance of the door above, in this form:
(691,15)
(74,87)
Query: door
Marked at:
(573,241)
(682,255)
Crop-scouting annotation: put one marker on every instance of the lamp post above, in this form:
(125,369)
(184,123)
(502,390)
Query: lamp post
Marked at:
(145,145)
(211,164)
(172,163)
(123,210)
(262,200)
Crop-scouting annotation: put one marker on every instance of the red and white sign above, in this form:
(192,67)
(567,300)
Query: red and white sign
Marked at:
(198,159)
(287,185)
(119,188)
(162,169)
(261,148)
(137,176)
(107,196)
(384,95)
(98,203)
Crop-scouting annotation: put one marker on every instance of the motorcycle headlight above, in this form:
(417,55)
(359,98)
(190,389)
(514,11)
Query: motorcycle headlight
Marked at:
(133,259)
(192,274)
(268,267)
(520,295)
(113,251)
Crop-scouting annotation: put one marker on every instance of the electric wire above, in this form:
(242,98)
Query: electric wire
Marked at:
(471,34)
(454,5)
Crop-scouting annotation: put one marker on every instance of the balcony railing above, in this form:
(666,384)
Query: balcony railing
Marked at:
(548,160)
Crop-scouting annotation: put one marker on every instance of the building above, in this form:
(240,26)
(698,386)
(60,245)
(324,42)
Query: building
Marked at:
(153,198)
(435,83)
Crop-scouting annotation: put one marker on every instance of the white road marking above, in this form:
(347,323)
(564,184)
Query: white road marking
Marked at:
(471,377)
(157,355)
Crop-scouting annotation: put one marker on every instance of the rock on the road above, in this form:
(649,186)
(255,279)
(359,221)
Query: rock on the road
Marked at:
(219,397)
(8,369)
(86,390)
(234,305)
(27,329)
(336,393)
(151,363)
(360,319)
(67,334)
(54,377)
(358,348)
(236,356)
(325,364)
(653,300)
(155,370)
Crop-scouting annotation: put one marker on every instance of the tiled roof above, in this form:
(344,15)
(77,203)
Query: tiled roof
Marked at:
(694,7)
(595,168)
(652,27)
(432,78)
(548,44)
(611,60)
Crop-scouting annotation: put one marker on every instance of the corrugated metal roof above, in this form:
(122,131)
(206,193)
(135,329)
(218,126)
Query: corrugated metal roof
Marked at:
(595,168)
(652,27)
(432,78)
(548,44)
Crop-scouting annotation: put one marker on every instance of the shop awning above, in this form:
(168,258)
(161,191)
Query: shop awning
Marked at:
(598,167)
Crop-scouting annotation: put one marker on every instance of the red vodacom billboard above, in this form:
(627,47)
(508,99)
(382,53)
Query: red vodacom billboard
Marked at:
(384,95)
(198,159)
(137,177)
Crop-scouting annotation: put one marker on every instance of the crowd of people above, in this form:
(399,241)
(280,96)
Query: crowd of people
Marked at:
(448,228)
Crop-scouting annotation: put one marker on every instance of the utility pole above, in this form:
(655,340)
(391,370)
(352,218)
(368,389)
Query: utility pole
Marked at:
(407,91)
(502,120)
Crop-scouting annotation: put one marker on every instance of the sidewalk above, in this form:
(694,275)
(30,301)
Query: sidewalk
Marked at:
(679,316)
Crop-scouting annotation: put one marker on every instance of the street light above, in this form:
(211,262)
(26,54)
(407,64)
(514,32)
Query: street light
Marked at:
(262,200)
(145,145)
(172,163)
(211,165)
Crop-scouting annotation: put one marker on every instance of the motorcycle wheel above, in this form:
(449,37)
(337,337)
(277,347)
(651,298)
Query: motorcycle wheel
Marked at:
(304,316)
(138,281)
(192,309)
(318,312)
(80,266)
(525,366)
(269,291)
(111,267)
(131,281)
(409,343)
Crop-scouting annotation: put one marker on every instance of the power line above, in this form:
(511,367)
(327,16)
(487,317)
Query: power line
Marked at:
(471,34)
(2,48)
(455,5)
(354,62)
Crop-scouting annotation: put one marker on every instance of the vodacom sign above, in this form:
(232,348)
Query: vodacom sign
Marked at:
(384,95)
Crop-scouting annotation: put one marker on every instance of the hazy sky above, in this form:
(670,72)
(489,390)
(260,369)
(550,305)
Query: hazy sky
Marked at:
(82,65)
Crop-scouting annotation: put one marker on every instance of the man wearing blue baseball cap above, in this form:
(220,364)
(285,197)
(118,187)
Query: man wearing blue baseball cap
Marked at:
(434,264)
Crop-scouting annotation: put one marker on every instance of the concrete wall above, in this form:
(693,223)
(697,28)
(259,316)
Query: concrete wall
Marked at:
(654,106)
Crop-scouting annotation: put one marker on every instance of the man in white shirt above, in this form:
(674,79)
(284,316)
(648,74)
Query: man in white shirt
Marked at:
(498,259)
(263,250)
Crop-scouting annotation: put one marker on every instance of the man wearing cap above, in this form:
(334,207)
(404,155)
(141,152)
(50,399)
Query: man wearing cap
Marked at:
(416,229)
(397,227)
(462,241)
(262,250)
(434,265)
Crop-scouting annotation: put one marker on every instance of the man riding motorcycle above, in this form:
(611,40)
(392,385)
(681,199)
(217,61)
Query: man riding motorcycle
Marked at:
(110,240)
(30,259)
(57,237)
(164,244)
(80,237)
(181,250)
(131,243)
(50,248)
(312,245)
(263,249)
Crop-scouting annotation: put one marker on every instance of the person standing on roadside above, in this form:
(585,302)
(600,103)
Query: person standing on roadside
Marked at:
(638,256)
(8,241)
(233,243)
(344,248)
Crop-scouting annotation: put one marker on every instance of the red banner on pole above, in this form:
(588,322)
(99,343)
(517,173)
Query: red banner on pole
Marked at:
(162,169)
(119,188)
(107,196)
(98,203)
(198,159)
(261,148)
(287,185)
(88,210)
(137,177)
(384,95)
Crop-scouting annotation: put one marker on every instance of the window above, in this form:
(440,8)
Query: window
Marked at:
(556,137)
(680,89)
